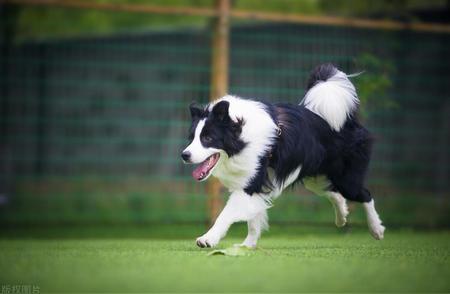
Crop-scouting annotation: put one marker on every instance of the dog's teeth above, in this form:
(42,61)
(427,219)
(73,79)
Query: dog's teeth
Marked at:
(209,162)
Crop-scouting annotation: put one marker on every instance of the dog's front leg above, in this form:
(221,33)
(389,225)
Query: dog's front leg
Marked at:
(240,207)
(255,227)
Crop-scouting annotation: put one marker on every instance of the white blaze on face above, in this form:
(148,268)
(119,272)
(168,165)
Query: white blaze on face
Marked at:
(199,153)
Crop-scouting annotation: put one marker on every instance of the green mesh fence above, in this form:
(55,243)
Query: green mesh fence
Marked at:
(92,128)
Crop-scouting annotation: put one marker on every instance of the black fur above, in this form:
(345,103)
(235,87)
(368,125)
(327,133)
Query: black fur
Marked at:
(260,183)
(306,140)
(321,73)
(197,114)
(220,131)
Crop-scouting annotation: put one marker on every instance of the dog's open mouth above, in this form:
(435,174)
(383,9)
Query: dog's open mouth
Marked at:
(203,170)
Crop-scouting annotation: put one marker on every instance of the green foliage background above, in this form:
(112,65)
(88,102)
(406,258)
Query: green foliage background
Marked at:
(43,22)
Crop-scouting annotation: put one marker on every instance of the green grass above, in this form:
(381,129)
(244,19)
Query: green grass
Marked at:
(290,259)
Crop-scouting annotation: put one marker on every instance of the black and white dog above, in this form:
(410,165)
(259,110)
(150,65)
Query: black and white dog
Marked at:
(258,149)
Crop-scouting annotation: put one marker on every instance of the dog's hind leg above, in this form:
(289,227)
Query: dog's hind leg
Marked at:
(373,220)
(321,187)
(255,227)
(340,207)
(362,195)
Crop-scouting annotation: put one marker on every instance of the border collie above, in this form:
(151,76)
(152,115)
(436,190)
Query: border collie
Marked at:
(257,149)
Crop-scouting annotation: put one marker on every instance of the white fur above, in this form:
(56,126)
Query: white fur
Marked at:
(261,222)
(243,207)
(318,185)
(278,189)
(333,100)
(240,207)
(236,172)
(198,152)
(374,221)
(255,226)
(258,132)
(340,208)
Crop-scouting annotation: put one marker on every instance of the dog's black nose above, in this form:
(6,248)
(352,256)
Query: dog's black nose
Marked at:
(186,155)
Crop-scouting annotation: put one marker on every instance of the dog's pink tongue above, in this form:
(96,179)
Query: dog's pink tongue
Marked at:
(200,171)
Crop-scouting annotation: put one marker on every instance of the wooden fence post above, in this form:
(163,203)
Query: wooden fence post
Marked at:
(219,86)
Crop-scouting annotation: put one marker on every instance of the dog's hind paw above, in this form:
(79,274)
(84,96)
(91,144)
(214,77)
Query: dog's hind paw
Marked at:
(377,231)
(340,221)
(341,212)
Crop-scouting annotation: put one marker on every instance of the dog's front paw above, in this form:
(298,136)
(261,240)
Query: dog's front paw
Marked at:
(249,242)
(207,240)
(246,245)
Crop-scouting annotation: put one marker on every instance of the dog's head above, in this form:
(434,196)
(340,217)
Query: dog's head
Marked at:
(214,137)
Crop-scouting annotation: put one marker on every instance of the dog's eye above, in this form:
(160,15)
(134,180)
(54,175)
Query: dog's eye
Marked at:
(207,139)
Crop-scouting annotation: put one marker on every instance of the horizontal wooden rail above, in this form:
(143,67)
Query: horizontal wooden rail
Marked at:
(341,21)
(242,14)
(120,7)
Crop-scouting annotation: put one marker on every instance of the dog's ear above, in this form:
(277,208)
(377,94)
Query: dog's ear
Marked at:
(196,112)
(220,111)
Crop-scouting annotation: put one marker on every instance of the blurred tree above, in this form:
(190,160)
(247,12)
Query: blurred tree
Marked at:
(42,22)
(284,6)
(374,83)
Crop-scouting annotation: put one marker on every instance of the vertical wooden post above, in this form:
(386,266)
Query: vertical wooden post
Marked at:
(219,86)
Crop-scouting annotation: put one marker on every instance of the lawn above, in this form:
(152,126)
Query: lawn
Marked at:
(289,259)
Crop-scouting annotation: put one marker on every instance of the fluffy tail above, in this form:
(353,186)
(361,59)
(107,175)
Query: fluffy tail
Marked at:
(331,95)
